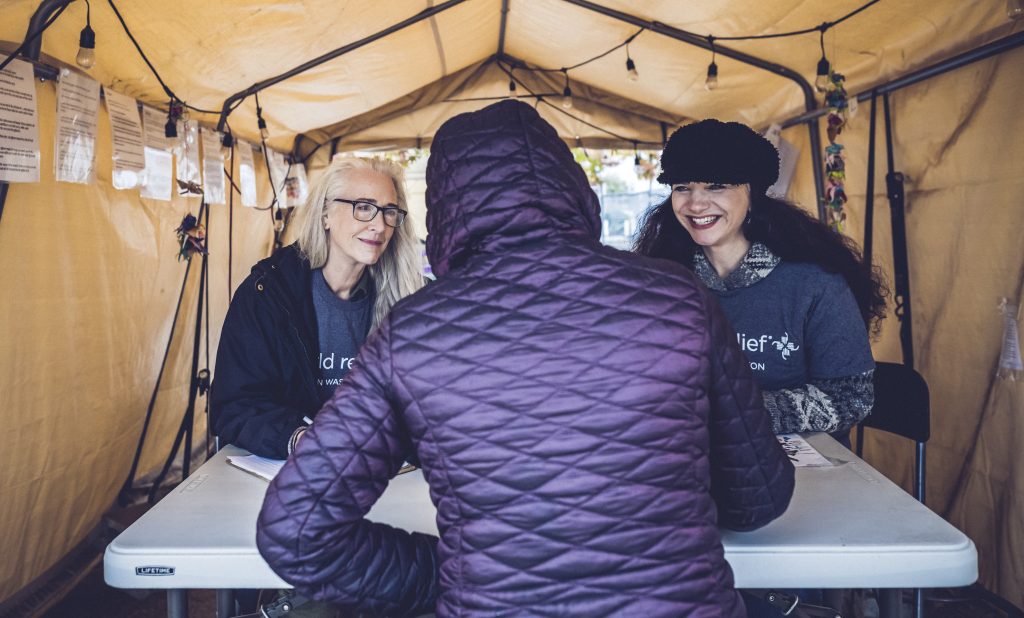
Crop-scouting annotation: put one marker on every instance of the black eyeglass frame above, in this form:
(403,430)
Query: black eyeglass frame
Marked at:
(382,210)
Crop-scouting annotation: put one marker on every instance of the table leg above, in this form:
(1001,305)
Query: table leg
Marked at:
(225,603)
(890,603)
(177,603)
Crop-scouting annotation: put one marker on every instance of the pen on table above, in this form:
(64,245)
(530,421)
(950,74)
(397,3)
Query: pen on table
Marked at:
(307,420)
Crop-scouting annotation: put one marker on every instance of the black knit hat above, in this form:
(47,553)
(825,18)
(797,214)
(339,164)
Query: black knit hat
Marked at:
(723,152)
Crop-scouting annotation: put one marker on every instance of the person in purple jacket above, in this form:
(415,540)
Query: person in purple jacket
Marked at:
(583,415)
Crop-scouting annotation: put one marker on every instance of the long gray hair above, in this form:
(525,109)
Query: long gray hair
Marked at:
(399,271)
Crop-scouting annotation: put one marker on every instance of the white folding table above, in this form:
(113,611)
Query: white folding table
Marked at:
(846,527)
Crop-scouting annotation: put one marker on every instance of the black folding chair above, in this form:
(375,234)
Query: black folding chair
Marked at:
(902,407)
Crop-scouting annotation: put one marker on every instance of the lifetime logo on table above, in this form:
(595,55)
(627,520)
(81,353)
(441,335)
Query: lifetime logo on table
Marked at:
(154,570)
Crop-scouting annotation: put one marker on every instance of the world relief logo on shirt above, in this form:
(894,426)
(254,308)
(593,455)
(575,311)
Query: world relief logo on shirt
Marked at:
(336,369)
(782,345)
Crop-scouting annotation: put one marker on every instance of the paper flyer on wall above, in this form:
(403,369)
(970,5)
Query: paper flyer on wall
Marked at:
(19,124)
(129,159)
(158,179)
(186,155)
(277,168)
(295,186)
(78,102)
(213,167)
(246,174)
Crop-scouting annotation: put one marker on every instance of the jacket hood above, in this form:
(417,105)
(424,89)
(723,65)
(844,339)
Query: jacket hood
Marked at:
(498,178)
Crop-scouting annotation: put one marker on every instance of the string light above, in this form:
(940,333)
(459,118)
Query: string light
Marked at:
(631,72)
(824,68)
(1015,9)
(86,57)
(711,81)
(567,93)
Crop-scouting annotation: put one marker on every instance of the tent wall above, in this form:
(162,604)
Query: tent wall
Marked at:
(957,140)
(91,282)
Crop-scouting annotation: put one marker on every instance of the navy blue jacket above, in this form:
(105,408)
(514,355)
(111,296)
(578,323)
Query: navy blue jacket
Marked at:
(265,377)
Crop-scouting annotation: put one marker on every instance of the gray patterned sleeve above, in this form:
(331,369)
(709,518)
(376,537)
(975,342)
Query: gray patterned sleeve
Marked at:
(829,405)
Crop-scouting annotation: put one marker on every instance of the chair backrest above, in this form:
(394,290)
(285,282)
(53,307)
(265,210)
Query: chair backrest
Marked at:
(902,404)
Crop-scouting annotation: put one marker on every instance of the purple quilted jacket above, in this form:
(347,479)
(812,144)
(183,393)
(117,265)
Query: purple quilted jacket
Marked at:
(583,415)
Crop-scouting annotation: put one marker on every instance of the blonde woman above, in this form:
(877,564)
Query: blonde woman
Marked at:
(296,323)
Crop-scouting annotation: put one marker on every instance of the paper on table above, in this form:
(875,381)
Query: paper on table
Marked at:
(801,453)
(267,468)
(262,467)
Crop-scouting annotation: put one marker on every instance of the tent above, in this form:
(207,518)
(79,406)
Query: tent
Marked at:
(93,280)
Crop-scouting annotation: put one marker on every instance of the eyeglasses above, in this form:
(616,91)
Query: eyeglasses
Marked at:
(366,211)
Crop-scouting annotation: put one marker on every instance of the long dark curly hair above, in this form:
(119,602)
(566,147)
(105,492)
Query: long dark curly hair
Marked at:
(790,233)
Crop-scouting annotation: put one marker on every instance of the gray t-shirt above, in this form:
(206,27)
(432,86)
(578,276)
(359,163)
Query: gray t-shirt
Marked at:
(797,325)
(342,328)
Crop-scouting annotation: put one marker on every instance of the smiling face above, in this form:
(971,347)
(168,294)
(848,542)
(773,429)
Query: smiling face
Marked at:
(713,214)
(352,242)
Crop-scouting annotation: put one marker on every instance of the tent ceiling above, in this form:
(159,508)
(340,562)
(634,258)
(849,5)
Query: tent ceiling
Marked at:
(397,90)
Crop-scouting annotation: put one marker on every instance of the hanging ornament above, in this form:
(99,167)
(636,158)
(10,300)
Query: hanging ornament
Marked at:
(835,160)
(191,237)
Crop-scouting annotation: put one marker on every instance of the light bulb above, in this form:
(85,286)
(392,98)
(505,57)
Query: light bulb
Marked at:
(712,79)
(1015,9)
(567,98)
(631,72)
(262,124)
(278,221)
(821,81)
(86,57)
(171,128)
(511,87)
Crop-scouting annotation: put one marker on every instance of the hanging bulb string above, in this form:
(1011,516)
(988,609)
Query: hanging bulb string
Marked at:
(32,37)
(167,89)
(558,108)
(826,25)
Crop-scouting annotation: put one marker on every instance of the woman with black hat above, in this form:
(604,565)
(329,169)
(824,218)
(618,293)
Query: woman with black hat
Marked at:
(796,292)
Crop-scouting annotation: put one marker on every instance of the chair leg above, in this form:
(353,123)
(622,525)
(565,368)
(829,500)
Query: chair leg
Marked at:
(918,603)
(890,603)
(920,470)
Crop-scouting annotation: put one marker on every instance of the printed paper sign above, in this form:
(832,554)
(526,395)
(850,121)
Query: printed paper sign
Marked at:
(186,153)
(277,168)
(19,124)
(78,101)
(801,453)
(213,167)
(246,174)
(129,160)
(295,186)
(158,181)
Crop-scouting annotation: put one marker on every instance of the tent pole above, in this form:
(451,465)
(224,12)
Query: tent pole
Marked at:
(502,27)
(900,260)
(331,55)
(810,102)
